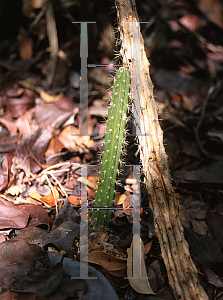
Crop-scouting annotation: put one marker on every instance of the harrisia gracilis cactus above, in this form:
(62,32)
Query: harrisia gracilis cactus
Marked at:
(113,147)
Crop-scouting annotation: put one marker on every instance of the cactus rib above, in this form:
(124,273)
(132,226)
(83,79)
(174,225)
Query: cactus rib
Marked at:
(113,147)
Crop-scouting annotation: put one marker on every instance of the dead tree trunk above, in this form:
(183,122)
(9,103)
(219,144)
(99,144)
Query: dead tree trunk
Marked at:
(182,273)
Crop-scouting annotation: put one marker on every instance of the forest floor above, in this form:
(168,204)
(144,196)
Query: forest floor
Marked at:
(42,151)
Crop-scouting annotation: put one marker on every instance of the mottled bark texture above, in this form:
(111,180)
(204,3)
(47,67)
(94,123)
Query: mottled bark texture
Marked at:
(182,273)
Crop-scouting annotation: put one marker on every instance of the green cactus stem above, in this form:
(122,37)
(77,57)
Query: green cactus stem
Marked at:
(113,148)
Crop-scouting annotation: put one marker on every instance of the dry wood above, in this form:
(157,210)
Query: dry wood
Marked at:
(182,273)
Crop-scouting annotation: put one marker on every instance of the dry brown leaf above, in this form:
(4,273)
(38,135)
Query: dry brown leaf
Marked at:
(4,174)
(31,151)
(139,283)
(201,227)
(127,202)
(90,182)
(12,216)
(55,147)
(92,188)
(148,247)
(124,200)
(107,261)
(17,258)
(17,106)
(52,198)
(23,124)
(27,200)
(213,10)
(47,98)
(25,47)
(96,111)
(74,200)
(38,215)
(97,239)
(121,199)
(35,195)
(72,141)
(15,190)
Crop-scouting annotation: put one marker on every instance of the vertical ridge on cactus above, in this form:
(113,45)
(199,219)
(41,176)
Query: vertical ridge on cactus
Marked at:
(113,147)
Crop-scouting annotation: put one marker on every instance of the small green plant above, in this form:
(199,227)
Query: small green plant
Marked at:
(113,148)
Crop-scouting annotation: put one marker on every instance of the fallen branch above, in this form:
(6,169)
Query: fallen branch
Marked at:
(182,273)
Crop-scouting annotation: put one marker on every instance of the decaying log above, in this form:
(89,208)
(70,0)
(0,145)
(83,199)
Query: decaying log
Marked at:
(182,273)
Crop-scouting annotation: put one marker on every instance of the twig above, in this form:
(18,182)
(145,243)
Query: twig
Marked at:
(54,196)
(53,41)
(38,17)
(59,184)
(58,166)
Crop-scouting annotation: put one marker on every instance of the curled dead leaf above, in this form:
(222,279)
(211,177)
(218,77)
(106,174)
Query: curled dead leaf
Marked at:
(47,98)
(136,270)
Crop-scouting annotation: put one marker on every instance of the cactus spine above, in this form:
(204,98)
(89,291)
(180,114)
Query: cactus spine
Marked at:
(113,147)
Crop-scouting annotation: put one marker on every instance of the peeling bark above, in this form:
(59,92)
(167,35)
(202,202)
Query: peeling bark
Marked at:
(182,273)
